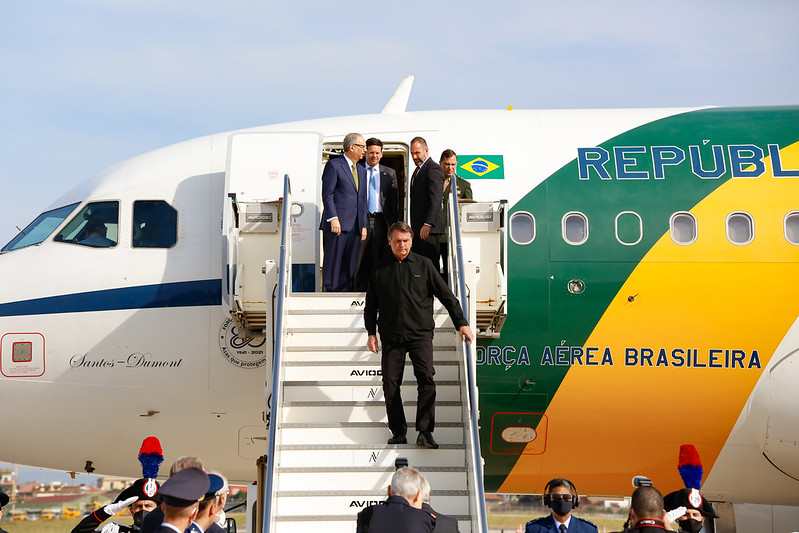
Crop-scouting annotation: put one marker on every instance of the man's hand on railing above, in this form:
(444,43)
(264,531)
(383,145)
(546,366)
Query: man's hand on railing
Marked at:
(466,334)
(371,343)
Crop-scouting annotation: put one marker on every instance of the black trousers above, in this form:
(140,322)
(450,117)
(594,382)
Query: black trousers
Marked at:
(372,250)
(393,366)
(429,247)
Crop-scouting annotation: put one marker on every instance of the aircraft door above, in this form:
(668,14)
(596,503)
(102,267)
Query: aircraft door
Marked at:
(256,164)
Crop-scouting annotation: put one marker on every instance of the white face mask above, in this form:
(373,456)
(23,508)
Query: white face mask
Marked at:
(221,518)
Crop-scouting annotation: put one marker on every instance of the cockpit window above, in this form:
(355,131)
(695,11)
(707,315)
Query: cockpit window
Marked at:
(155,224)
(96,225)
(40,229)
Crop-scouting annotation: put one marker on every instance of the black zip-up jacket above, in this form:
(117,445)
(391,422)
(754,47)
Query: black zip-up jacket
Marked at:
(399,300)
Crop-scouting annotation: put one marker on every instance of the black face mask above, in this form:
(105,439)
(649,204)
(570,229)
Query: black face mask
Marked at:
(138,517)
(561,507)
(690,525)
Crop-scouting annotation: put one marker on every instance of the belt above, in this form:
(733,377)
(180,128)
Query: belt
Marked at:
(374,215)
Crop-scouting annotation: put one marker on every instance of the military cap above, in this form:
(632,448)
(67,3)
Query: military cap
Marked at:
(690,499)
(3,499)
(144,488)
(216,484)
(185,487)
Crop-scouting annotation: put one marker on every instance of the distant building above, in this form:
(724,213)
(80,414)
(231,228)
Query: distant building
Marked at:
(114,483)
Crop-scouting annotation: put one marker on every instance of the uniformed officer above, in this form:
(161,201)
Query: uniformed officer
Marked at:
(209,505)
(182,493)
(560,496)
(402,511)
(140,499)
(444,523)
(697,508)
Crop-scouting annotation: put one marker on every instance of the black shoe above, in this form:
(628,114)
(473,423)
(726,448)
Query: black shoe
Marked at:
(426,440)
(399,438)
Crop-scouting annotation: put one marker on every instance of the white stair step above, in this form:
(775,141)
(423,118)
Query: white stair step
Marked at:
(375,435)
(343,503)
(368,372)
(340,301)
(326,319)
(292,456)
(332,525)
(441,352)
(360,411)
(365,479)
(357,391)
(350,337)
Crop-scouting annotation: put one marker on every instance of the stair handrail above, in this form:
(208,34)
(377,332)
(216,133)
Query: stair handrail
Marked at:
(478,495)
(283,282)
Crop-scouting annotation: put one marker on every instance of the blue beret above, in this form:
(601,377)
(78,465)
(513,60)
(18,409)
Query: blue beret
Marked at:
(185,487)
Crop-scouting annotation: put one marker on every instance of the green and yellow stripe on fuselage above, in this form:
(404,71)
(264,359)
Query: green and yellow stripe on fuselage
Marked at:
(666,342)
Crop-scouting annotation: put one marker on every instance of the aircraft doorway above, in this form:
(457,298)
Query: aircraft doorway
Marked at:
(395,156)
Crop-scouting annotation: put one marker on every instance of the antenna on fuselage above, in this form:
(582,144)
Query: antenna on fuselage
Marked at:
(399,100)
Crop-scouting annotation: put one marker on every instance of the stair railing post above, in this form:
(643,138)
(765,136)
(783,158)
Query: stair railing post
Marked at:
(284,278)
(478,493)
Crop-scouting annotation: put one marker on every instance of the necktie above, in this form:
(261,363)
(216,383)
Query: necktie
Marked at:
(415,172)
(562,528)
(372,191)
(355,176)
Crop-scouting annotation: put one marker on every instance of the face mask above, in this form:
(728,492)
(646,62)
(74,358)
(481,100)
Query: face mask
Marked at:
(138,517)
(690,525)
(561,507)
(220,518)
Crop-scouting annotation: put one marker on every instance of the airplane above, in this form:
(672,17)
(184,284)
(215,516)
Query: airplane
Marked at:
(650,263)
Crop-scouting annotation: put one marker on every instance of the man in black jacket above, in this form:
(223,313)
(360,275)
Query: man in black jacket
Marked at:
(399,302)
(427,190)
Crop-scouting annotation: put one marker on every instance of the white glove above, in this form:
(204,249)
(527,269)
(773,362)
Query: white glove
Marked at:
(114,508)
(112,527)
(674,514)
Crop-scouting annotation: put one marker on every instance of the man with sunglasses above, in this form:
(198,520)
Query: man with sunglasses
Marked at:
(560,496)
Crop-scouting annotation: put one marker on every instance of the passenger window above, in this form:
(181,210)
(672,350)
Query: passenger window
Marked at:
(682,228)
(575,228)
(155,224)
(740,228)
(629,228)
(522,227)
(96,225)
(792,227)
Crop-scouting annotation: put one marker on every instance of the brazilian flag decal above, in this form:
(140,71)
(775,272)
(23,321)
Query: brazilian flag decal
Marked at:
(487,167)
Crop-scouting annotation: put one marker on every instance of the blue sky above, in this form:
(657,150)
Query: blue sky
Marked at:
(88,83)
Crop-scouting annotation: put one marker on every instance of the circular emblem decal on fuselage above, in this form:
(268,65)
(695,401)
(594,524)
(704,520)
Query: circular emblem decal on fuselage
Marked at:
(244,352)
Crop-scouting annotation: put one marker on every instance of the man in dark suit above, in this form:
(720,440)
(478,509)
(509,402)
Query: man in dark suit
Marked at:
(382,212)
(444,524)
(427,187)
(344,221)
(560,496)
(402,511)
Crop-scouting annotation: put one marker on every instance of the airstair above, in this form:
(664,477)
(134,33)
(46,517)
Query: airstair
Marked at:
(326,456)
(332,459)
